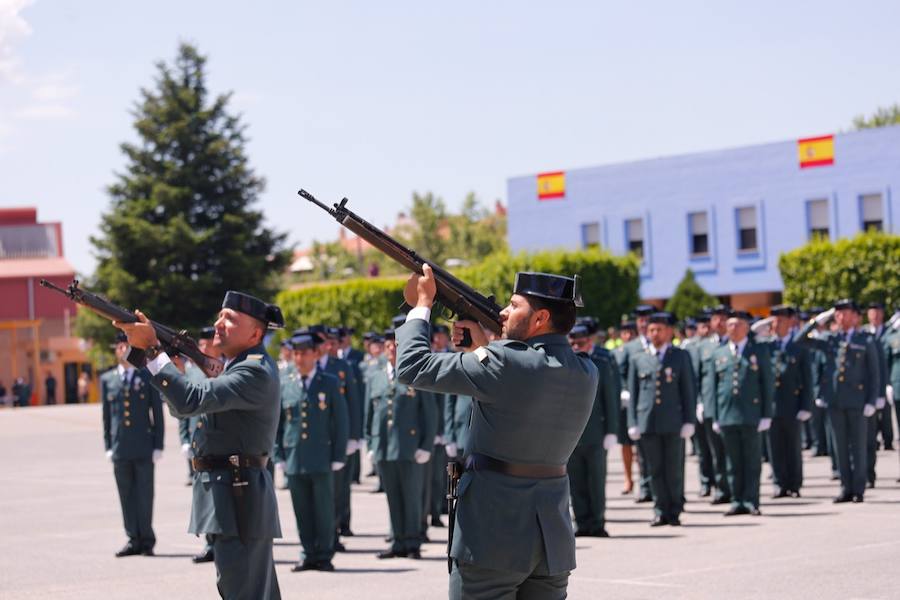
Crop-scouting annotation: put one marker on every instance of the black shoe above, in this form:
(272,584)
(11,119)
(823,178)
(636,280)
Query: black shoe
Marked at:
(426,539)
(737,510)
(306,565)
(795,494)
(643,499)
(391,554)
(414,554)
(128,550)
(754,512)
(705,491)
(870,485)
(835,477)
(147,552)
(857,499)
(599,533)
(722,500)
(189,482)
(843,498)
(582,533)
(889,447)
(659,521)
(781,494)
(674,522)
(345,532)
(324,565)
(339,547)
(207,556)
(436,522)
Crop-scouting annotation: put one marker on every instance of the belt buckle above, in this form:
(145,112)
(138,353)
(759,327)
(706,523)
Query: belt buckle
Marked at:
(235,461)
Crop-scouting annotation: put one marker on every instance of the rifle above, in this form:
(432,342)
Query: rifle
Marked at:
(173,342)
(456,296)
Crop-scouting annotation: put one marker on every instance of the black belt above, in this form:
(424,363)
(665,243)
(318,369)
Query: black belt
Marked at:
(481,462)
(211,463)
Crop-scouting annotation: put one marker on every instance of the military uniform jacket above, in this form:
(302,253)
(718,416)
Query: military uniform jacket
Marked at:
(892,355)
(623,356)
(133,424)
(532,402)
(239,412)
(880,339)
(604,419)
(350,391)
(663,396)
(706,372)
(793,372)
(402,419)
(355,359)
(457,414)
(850,375)
(744,385)
(188,425)
(314,425)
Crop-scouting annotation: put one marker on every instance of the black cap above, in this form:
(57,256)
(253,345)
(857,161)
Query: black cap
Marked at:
(662,318)
(367,336)
(878,305)
(305,342)
(846,303)
(314,330)
(549,287)
(345,331)
(207,333)
(376,339)
(702,318)
(644,310)
(689,323)
(628,325)
(333,332)
(397,321)
(815,310)
(740,314)
(269,314)
(783,310)
(590,323)
(389,334)
(440,328)
(579,332)
(120,338)
(719,309)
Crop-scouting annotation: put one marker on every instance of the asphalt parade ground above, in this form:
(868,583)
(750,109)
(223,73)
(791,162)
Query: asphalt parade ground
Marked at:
(60,524)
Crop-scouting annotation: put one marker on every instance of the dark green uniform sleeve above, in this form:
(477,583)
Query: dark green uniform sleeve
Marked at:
(107,418)
(340,425)
(807,394)
(687,389)
(712,386)
(804,338)
(242,387)
(159,424)
(873,356)
(428,419)
(634,389)
(278,454)
(354,405)
(768,382)
(184,431)
(610,390)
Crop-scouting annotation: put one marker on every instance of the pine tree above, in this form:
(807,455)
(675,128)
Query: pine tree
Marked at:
(689,297)
(181,228)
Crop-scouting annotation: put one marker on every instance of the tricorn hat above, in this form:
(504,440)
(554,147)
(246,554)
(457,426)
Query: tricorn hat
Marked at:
(549,287)
(269,314)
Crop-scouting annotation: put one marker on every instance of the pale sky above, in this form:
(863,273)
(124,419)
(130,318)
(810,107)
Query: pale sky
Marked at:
(376,100)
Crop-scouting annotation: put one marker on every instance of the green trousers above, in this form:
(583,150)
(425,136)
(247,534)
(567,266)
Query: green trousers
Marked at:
(850,429)
(313,500)
(245,571)
(587,482)
(134,480)
(785,454)
(403,481)
(743,456)
(665,464)
(717,457)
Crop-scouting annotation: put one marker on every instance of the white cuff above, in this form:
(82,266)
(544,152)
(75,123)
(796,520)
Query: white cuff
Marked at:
(419,312)
(156,365)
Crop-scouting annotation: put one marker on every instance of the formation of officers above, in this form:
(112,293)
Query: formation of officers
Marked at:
(741,390)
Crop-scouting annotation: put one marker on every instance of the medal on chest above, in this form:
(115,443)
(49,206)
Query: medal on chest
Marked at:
(322,404)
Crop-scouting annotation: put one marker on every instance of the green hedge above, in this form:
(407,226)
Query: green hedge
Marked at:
(865,268)
(610,289)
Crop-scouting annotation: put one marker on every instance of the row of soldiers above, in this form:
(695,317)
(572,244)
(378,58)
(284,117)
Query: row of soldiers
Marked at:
(740,389)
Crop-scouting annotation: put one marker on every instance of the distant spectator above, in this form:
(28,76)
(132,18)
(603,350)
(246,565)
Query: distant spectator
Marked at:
(50,385)
(2,393)
(84,384)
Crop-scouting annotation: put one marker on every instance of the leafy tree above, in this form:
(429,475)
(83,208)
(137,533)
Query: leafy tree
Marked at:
(689,297)
(427,233)
(476,233)
(883,117)
(181,228)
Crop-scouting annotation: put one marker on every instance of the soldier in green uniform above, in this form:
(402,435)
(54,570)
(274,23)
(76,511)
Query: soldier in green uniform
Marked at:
(706,469)
(533,396)
(354,358)
(661,415)
(311,439)
(627,332)
(234,499)
(636,346)
(587,465)
(706,400)
(401,432)
(133,431)
(877,330)
(851,385)
(743,387)
(792,369)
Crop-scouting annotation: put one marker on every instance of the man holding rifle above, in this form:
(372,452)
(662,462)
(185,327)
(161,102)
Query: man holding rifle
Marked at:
(533,396)
(234,499)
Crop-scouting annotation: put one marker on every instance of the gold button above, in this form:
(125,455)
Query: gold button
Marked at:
(142,396)
(390,423)
(193,444)
(199,424)
(304,425)
(412,432)
(303,414)
(127,413)
(777,384)
(304,436)
(127,404)
(659,401)
(860,386)
(756,401)
(390,402)
(841,378)
(127,423)
(165,383)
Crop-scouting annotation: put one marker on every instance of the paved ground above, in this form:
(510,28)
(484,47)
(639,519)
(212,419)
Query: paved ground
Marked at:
(60,524)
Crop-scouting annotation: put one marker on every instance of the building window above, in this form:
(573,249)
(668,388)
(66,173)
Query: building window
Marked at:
(590,235)
(817,211)
(699,231)
(746,218)
(870,206)
(634,236)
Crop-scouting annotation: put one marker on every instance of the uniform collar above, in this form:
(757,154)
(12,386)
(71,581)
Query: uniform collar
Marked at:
(311,376)
(548,339)
(258,349)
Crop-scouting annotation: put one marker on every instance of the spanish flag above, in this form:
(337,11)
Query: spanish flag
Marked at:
(816,151)
(551,185)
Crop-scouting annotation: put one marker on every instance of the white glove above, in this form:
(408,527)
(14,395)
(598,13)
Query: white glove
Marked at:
(157,454)
(609,440)
(422,456)
(186,450)
(279,466)
(451,450)
(820,403)
(804,415)
(687,430)
(762,324)
(716,427)
(634,433)
(868,410)
(109,454)
(625,397)
(700,413)
(764,424)
(879,403)
(352,446)
(337,466)
(824,317)
(889,394)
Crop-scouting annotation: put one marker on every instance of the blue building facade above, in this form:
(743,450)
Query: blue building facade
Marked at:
(726,215)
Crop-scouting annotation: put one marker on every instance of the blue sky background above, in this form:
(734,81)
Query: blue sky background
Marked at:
(376,100)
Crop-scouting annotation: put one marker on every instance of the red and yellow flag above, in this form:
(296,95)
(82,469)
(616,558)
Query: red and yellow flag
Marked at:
(816,151)
(551,185)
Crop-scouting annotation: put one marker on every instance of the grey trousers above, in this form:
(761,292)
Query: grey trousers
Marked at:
(134,480)
(245,571)
(471,582)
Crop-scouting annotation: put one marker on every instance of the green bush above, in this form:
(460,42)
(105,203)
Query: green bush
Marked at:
(689,297)
(610,288)
(865,268)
